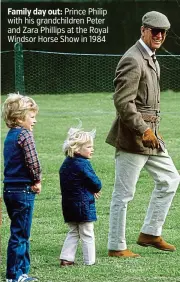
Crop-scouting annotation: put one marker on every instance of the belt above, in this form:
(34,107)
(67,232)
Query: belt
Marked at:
(18,188)
(150,118)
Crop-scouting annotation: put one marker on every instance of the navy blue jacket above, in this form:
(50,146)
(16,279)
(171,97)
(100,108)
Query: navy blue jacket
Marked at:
(78,183)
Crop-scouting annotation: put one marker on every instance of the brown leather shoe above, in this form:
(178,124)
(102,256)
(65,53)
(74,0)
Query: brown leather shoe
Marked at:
(66,263)
(147,240)
(125,253)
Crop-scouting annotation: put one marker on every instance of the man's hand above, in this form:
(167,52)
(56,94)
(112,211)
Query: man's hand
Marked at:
(149,139)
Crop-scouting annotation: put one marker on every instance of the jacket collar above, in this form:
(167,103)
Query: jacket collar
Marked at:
(145,55)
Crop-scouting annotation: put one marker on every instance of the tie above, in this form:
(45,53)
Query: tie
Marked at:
(153,58)
(155,62)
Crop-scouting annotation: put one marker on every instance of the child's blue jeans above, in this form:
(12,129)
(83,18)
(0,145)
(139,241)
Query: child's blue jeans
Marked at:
(19,200)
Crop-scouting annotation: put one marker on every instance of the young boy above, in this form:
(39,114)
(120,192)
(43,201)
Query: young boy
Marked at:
(22,181)
(79,187)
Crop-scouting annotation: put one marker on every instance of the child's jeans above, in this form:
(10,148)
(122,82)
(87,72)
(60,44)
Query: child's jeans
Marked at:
(85,232)
(19,200)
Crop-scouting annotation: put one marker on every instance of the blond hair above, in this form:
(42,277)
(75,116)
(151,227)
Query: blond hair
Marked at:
(76,138)
(17,106)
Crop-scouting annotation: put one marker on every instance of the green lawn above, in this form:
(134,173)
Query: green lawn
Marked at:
(96,110)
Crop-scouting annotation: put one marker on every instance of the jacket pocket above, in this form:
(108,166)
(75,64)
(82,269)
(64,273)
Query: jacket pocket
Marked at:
(143,93)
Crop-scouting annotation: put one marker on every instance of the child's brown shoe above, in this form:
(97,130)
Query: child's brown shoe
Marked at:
(66,263)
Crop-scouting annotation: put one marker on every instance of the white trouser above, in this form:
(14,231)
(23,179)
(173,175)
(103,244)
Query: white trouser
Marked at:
(85,232)
(127,170)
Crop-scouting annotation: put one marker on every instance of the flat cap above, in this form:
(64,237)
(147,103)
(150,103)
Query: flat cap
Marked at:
(156,20)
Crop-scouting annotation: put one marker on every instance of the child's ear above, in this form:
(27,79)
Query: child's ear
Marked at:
(77,151)
(19,121)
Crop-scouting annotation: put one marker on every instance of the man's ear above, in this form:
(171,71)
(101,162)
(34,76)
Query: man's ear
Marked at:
(142,29)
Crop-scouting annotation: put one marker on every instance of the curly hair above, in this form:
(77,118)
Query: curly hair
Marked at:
(76,139)
(17,106)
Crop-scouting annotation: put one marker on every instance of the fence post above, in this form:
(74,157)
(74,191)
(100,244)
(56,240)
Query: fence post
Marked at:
(19,68)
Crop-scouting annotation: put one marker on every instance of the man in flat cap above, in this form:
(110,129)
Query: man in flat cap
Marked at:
(135,135)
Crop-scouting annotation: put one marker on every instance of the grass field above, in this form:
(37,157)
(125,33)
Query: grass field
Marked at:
(57,114)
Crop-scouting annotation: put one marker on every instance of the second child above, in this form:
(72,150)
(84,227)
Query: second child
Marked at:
(79,187)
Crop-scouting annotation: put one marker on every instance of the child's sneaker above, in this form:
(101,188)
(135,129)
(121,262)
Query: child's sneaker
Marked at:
(26,278)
